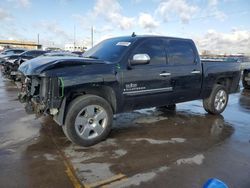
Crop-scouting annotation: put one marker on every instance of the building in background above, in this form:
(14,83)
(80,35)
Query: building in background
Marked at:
(19,44)
(52,48)
(73,48)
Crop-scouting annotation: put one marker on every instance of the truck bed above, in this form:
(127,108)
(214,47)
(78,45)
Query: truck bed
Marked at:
(216,70)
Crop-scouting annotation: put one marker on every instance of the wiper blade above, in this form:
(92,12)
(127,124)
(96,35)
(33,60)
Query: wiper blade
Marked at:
(92,57)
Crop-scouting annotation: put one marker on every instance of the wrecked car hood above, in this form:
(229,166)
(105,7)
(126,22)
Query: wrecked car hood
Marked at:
(38,65)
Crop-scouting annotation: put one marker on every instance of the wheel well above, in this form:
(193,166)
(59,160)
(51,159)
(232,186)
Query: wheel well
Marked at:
(104,91)
(227,82)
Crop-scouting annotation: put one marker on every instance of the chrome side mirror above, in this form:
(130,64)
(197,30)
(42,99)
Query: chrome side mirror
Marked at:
(140,59)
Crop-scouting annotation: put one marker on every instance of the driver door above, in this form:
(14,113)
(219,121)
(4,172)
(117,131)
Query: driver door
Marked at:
(147,85)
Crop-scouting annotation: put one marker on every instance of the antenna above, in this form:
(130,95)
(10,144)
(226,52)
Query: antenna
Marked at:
(133,34)
(74,37)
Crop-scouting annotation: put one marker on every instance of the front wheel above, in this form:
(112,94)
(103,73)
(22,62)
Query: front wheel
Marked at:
(88,120)
(217,101)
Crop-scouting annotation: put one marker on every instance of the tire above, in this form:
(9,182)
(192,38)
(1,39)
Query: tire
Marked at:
(66,133)
(217,101)
(88,120)
(244,83)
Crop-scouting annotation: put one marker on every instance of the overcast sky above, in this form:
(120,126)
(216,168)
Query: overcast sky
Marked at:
(216,25)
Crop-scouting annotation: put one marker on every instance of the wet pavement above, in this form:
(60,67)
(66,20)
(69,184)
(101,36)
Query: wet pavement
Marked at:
(146,148)
(29,158)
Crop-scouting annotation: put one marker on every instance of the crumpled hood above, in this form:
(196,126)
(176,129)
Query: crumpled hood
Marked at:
(40,64)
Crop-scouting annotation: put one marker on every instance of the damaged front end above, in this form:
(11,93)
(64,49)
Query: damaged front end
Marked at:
(42,95)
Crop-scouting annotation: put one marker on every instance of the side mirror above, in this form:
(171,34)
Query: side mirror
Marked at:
(140,59)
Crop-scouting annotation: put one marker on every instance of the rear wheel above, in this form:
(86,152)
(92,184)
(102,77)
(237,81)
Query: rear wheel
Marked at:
(88,120)
(217,101)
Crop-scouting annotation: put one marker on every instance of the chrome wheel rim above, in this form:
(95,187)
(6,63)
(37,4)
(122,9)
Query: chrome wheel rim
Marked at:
(220,100)
(91,122)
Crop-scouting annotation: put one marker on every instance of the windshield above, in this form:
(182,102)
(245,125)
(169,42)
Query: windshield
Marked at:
(110,50)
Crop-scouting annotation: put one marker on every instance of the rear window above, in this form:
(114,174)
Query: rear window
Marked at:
(180,52)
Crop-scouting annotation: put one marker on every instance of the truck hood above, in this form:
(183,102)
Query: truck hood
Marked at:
(38,65)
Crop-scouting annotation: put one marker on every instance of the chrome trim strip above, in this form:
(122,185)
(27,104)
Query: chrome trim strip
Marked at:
(165,74)
(147,91)
(196,72)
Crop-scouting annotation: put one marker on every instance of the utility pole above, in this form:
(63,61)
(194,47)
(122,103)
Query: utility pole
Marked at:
(92,36)
(38,40)
(74,37)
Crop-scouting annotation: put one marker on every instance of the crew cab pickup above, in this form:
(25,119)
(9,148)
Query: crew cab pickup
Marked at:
(123,74)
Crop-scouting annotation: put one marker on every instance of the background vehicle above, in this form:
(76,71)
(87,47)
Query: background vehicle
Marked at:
(245,66)
(6,53)
(78,53)
(124,74)
(244,62)
(12,62)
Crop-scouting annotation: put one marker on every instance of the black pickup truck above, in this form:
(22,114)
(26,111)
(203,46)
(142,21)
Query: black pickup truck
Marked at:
(123,74)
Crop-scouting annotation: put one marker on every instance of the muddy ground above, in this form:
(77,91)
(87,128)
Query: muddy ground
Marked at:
(146,148)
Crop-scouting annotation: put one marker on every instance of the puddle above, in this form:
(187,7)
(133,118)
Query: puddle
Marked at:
(171,141)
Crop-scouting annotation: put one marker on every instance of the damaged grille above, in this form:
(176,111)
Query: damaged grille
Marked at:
(41,93)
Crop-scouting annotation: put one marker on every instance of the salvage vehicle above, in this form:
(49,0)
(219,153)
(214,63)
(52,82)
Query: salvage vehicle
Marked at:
(4,55)
(245,66)
(123,74)
(11,64)
(246,79)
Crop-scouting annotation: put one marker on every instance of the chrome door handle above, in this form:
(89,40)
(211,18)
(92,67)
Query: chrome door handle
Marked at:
(165,74)
(196,72)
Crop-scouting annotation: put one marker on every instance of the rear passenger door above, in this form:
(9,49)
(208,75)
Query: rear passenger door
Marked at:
(185,68)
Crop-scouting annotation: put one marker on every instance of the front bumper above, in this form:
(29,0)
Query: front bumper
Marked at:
(41,95)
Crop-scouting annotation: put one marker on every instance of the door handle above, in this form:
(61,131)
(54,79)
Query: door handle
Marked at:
(196,72)
(165,74)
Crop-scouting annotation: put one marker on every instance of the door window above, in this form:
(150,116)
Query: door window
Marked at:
(154,48)
(180,52)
